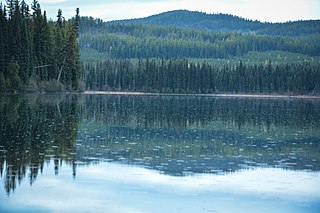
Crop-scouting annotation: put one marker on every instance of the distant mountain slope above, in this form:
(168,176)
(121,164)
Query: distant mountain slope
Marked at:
(179,34)
(226,23)
(199,20)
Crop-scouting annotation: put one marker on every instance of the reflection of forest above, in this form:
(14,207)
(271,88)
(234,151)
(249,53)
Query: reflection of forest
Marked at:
(35,130)
(173,134)
(179,152)
(180,134)
(191,111)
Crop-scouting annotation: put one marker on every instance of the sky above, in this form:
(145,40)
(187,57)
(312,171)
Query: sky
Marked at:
(262,10)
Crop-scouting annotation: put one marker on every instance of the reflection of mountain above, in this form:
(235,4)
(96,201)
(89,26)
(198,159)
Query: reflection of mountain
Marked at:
(179,152)
(176,135)
(179,135)
(33,130)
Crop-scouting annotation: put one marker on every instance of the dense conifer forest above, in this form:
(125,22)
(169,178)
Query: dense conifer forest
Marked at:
(37,54)
(226,54)
(183,76)
(118,40)
(174,52)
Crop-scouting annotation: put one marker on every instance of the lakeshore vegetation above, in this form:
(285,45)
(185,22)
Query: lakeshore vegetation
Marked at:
(174,52)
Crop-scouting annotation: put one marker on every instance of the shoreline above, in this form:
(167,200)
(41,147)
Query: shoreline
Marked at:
(222,95)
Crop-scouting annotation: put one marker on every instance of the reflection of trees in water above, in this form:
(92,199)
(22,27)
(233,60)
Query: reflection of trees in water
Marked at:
(169,133)
(176,151)
(185,112)
(33,131)
(172,133)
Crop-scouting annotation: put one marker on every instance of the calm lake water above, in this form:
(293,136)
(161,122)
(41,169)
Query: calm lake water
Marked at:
(127,153)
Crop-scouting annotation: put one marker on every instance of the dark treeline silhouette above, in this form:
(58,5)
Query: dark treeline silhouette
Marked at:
(36,53)
(182,76)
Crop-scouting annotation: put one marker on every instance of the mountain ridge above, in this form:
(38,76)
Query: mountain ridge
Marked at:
(226,23)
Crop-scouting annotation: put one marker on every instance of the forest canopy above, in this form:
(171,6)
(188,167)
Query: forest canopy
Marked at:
(161,54)
(215,53)
(37,54)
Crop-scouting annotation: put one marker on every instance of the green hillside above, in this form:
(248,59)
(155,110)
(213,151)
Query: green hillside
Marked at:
(146,41)
(226,23)
(161,54)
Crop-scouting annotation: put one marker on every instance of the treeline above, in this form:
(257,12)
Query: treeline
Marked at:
(36,53)
(123,41)
(182,76)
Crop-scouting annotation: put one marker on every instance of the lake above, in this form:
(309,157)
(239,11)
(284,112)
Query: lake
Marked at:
(158,153)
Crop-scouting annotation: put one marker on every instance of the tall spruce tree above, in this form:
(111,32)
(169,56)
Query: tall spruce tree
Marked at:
(3,43)
(67,35)
(26,59)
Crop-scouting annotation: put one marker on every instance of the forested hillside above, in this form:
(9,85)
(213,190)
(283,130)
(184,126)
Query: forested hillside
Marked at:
(226,23)
(37,54)
(134,55)
(145,41)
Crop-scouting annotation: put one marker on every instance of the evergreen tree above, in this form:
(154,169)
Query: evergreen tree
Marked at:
(67,36)
(3,41)
(72,51)
(26,59)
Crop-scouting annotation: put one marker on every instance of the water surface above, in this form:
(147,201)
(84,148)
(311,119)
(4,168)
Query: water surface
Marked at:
(137,153)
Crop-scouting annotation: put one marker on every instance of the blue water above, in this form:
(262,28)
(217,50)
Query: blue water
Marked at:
(118,153)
